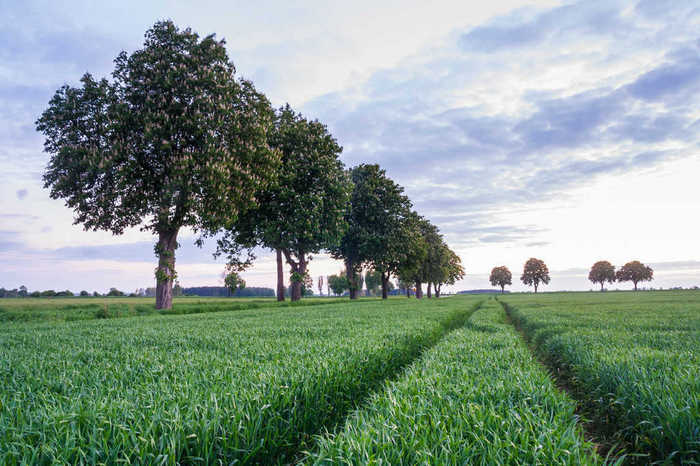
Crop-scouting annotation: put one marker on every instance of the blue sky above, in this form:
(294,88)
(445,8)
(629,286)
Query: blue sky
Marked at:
(567,131)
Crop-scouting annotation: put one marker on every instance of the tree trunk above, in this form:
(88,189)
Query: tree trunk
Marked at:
(300,268)
(165,274)
(601,286)
(437,290)
(535,287)
(385,286)
(430,293)
(635,286)
(503,288)
(408,292)
(352,282)
(280,276)
(419,290)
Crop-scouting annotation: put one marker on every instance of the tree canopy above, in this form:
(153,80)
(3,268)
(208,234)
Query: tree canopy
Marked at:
(378,231)
(534,273)
(173,140)
(303,212)
(501,276)
(601,272)
(635,272)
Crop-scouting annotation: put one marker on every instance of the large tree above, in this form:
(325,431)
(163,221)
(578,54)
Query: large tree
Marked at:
(174,140)
(635,272)
(449,271)
(534,273)
(377,228)
(303,212)
(601,272)
(501,276)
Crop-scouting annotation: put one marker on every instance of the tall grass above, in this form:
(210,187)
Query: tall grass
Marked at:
(634,360)
(247,387)
(478,397)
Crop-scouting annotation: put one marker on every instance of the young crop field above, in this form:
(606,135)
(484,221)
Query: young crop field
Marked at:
(80,308)
(478,397)
(250,386)
(403,381)
(633,360)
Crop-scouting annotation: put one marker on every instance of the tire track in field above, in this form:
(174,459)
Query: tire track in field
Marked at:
(458,320)
(595,430)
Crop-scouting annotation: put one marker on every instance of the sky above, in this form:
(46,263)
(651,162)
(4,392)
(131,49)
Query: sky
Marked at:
(566,131)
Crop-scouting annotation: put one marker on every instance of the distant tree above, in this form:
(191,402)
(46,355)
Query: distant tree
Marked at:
(412,267)
(174,139)
(65,293)
(338,284)
(534,273)
(320,285)
(48,293)
(177,289)
(115,292)
(373,280)
(601,272)
(22,293)
(501,276)
(35,294)
(635,272)
(233,282)
(376,233)
(95,294)
(84,293)
(302,213)
(446,267)
(405,286)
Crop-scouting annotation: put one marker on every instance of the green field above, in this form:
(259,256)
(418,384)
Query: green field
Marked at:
(86,308)
(447,381)
(479,397)
(632,359)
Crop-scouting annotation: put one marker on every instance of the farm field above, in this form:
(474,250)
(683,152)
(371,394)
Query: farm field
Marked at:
(247,386)
(478,397)
(633,360)
(86,308)
(402,381)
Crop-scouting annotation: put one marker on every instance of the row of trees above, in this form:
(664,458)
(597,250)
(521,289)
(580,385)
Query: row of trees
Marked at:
(175,140)
(535,272)
(635,272)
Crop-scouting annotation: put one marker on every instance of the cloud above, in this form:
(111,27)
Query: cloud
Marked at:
(467,130)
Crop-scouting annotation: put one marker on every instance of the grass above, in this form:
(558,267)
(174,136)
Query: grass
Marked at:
(633,359)
(478,397)
(248,387)
(70,309)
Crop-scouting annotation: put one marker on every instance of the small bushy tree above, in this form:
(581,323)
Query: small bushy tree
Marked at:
(635,272)
(534,273)
(501,276)
(601,272)
(338,284)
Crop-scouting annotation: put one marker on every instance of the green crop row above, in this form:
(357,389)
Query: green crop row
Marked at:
(27,310)
(634,361)
(478,397)
(245,387)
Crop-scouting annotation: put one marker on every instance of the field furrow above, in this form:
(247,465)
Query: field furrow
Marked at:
(632,361)
(478,397)
(253,386)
